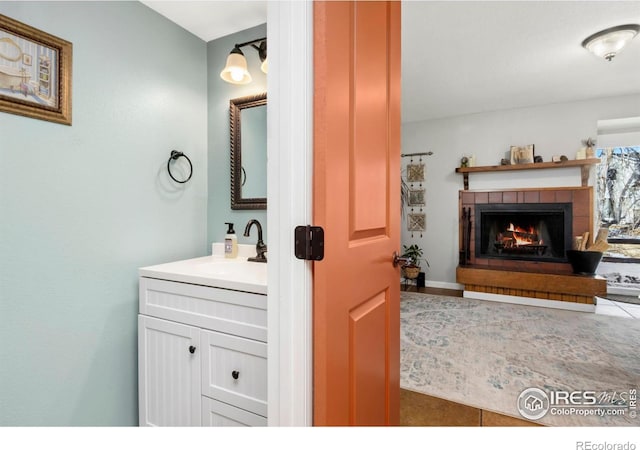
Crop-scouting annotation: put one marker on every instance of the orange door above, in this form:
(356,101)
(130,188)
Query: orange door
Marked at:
(357,201)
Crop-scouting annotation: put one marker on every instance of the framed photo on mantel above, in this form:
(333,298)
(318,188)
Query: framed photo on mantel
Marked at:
(35,72)
(522,155)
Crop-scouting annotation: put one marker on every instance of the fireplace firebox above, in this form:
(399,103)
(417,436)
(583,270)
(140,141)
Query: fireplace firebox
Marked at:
(532,232)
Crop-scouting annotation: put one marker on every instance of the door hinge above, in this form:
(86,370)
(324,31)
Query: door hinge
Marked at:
(309,243)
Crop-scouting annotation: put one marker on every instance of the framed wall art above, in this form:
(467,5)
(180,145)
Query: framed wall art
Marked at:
(35,72)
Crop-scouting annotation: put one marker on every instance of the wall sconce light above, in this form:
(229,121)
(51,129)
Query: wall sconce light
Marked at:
(235,71)
(607,43)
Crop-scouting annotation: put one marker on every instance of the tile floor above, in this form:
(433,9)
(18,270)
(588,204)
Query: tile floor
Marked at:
(610,308)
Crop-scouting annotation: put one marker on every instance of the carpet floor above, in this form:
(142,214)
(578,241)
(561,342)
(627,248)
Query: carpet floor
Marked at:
(484,354)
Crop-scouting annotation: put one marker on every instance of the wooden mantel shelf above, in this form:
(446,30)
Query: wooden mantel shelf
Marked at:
(584,165)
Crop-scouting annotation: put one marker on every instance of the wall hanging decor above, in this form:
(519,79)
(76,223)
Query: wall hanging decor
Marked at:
(35,72)
(413,192)
(415,172)
(416,222)
(416,197)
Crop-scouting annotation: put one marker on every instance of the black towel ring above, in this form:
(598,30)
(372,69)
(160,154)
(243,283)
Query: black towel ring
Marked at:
(175,155)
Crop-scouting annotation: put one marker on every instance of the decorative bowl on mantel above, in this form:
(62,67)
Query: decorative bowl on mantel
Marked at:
(584,262)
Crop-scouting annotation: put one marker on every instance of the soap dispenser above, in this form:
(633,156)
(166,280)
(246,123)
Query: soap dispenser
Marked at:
(230,242)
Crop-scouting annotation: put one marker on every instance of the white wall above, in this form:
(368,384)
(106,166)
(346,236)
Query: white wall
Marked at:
(554,129)
(629,139)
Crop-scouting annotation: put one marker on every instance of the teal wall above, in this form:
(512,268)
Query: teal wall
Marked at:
(83,207)
(219,93)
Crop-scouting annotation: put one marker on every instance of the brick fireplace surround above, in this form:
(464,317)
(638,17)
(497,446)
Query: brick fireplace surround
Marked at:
(541,280)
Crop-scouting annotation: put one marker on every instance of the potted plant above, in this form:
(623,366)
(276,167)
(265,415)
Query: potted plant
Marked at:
(412,268)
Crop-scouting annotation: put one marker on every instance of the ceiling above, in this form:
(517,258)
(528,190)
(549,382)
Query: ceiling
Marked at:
(210,20)
(465,57)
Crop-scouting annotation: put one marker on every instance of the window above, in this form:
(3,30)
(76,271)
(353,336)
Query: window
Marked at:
(618,194)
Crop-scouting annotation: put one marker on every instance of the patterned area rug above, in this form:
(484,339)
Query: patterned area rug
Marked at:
(484,354)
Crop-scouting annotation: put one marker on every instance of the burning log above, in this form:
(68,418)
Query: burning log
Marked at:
(516,240)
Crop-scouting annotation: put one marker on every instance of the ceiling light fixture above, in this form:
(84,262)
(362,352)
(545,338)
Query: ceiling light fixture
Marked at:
(235,71)
(607,43)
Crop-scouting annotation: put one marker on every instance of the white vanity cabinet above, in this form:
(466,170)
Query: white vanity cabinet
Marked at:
(169,373)
(202,353)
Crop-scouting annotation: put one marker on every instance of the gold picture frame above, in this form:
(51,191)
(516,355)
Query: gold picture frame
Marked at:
(35,72)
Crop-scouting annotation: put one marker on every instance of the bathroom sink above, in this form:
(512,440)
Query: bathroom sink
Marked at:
(236,269)
(215,271)
(222,266)
(232,267)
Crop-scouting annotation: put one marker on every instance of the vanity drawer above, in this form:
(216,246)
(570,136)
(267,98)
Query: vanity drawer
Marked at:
(234,370)
(218,414)
(233,312)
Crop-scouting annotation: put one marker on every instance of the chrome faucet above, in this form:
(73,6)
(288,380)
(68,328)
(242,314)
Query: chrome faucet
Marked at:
(261,247)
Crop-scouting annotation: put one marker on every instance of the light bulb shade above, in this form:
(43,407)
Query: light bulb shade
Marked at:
(608,43)
(235,71)
(265,66)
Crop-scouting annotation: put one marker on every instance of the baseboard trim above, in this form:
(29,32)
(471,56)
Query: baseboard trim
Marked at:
(530,301)
(444,285)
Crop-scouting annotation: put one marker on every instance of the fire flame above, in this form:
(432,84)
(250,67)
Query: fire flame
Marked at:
(515,229)
(523,240)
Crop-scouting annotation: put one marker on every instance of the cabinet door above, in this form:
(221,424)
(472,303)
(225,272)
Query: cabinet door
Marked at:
(168,373)
(234,371)
(218,414)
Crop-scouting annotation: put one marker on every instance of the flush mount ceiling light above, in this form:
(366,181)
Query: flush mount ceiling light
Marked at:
(607,43)
(235,71)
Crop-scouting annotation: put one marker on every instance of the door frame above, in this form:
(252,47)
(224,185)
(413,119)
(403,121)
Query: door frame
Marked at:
(289,194)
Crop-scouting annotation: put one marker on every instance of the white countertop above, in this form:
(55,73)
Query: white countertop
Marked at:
(216,271)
